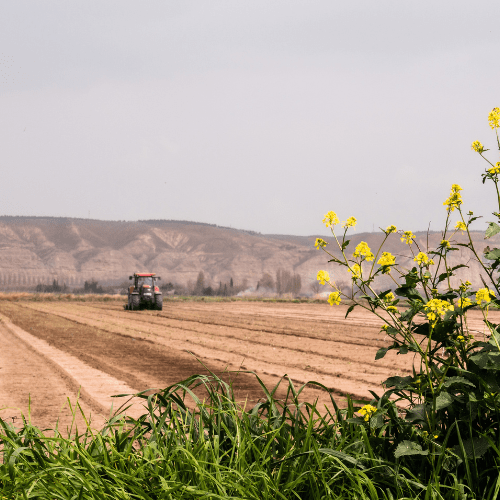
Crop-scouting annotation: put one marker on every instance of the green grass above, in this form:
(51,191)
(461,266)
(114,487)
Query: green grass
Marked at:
(195,441)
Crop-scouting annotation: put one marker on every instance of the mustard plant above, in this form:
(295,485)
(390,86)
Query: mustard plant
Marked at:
(450,405)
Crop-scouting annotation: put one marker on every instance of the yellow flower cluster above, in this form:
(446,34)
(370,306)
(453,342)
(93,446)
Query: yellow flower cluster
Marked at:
(464,302)
(330,219)
(391,229)
(334,299)
(455,198)
(460,226)
(436,308)
(465,286)
(421,259)
(363,250)
(408,237)
(484,295)
(320,243)
(387,260)
(385,327)
(494,118)
(389,297)
(477,146)
(495,169)
(356,271)
(445,243)
(323,277)
(461,338)
(392,309)
(367,411)
(350,222)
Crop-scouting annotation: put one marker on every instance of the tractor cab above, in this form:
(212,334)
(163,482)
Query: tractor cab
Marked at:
(144,294)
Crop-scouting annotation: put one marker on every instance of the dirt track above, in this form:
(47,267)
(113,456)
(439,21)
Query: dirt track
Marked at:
(148,349)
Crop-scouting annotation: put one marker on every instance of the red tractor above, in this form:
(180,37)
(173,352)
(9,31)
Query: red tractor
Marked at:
(144,294)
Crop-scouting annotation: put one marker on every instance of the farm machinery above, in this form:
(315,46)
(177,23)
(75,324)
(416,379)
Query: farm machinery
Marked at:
(144,294)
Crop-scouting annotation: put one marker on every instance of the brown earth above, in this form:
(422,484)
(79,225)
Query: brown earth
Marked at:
(51,349)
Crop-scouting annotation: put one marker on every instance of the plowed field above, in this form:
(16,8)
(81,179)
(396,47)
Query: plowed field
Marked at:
(51,350)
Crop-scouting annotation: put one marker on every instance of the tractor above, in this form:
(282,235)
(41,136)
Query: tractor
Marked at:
(144,294)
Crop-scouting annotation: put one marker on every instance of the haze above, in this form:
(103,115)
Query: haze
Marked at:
(257,115)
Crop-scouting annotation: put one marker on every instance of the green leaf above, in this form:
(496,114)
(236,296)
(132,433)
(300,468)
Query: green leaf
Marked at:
(474,448)
(356,420)
(406,448)
(409,292)
(492,230)
(454,268)
(443,276)
(345,244)
(398,382)
(443,400)
(493,254)
(377,420)
(381,353)
(417,414)
(495,336)
(341,456)
(350,310)
(487,360)
(457,380)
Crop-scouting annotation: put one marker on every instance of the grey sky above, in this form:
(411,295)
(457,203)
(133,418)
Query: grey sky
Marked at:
(260,115)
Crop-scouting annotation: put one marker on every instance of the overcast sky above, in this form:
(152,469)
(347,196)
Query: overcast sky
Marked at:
(260,115)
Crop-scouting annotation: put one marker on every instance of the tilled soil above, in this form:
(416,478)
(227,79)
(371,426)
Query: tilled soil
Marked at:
(150,349)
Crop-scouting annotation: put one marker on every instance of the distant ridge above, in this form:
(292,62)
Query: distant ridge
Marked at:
(38,249)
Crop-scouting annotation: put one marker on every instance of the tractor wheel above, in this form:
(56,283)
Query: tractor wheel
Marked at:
(158,302)
(134,302)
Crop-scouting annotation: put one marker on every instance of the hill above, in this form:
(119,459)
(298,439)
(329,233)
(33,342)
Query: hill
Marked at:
(40,249)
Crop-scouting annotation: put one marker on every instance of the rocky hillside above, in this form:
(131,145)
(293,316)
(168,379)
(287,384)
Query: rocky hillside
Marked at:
(39,249)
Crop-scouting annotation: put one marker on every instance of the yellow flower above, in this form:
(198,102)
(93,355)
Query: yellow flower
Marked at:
(495,169)
(350,222)
(461,338)
(334,299)
(477,146)
(389,297)
(392,309)
(463,303)
(431,262)
(356,271)
(408,237)
(331,219)
(421,258)
(436,308)
(367,411)
(456,188)
(323,277)
(385,327)
(391,229)
(460,226)
(445,243)
(386,260)
(484,295)
(494,118)
(453,201)
(363,250)
(464,286)
(320,243)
